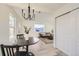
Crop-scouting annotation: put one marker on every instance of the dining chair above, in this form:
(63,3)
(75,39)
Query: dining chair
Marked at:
(20,39)
(20,36)
(12,50)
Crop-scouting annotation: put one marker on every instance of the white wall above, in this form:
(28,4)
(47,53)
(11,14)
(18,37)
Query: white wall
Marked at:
(67,30)
(3,23)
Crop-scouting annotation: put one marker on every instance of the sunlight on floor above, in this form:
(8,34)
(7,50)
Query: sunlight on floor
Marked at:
(42,49)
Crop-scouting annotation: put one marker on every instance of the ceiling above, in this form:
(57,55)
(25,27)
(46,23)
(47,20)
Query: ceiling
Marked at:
(44,7)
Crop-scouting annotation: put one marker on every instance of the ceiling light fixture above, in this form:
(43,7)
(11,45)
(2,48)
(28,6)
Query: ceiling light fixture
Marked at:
(31,13)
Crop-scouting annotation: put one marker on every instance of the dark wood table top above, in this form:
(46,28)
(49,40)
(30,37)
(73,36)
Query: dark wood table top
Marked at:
(22,42)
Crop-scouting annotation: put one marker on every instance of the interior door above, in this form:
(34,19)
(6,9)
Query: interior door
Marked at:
(77,32)
(66,33)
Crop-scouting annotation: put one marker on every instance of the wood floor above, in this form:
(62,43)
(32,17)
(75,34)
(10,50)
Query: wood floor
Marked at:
(43,49)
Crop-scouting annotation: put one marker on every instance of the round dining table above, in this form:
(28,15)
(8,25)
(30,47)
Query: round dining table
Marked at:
(27,43)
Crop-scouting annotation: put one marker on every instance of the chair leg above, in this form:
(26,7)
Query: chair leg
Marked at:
(2,50)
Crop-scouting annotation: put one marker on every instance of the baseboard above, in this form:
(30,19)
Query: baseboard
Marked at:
(61,53)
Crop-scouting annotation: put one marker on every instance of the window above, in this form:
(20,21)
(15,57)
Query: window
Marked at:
(11,26)
(39,28)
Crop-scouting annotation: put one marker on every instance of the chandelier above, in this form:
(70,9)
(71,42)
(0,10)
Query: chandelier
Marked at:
(31,13)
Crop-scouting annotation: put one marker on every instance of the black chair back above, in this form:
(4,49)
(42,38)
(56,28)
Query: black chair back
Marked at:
(20,36)
(9,50)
